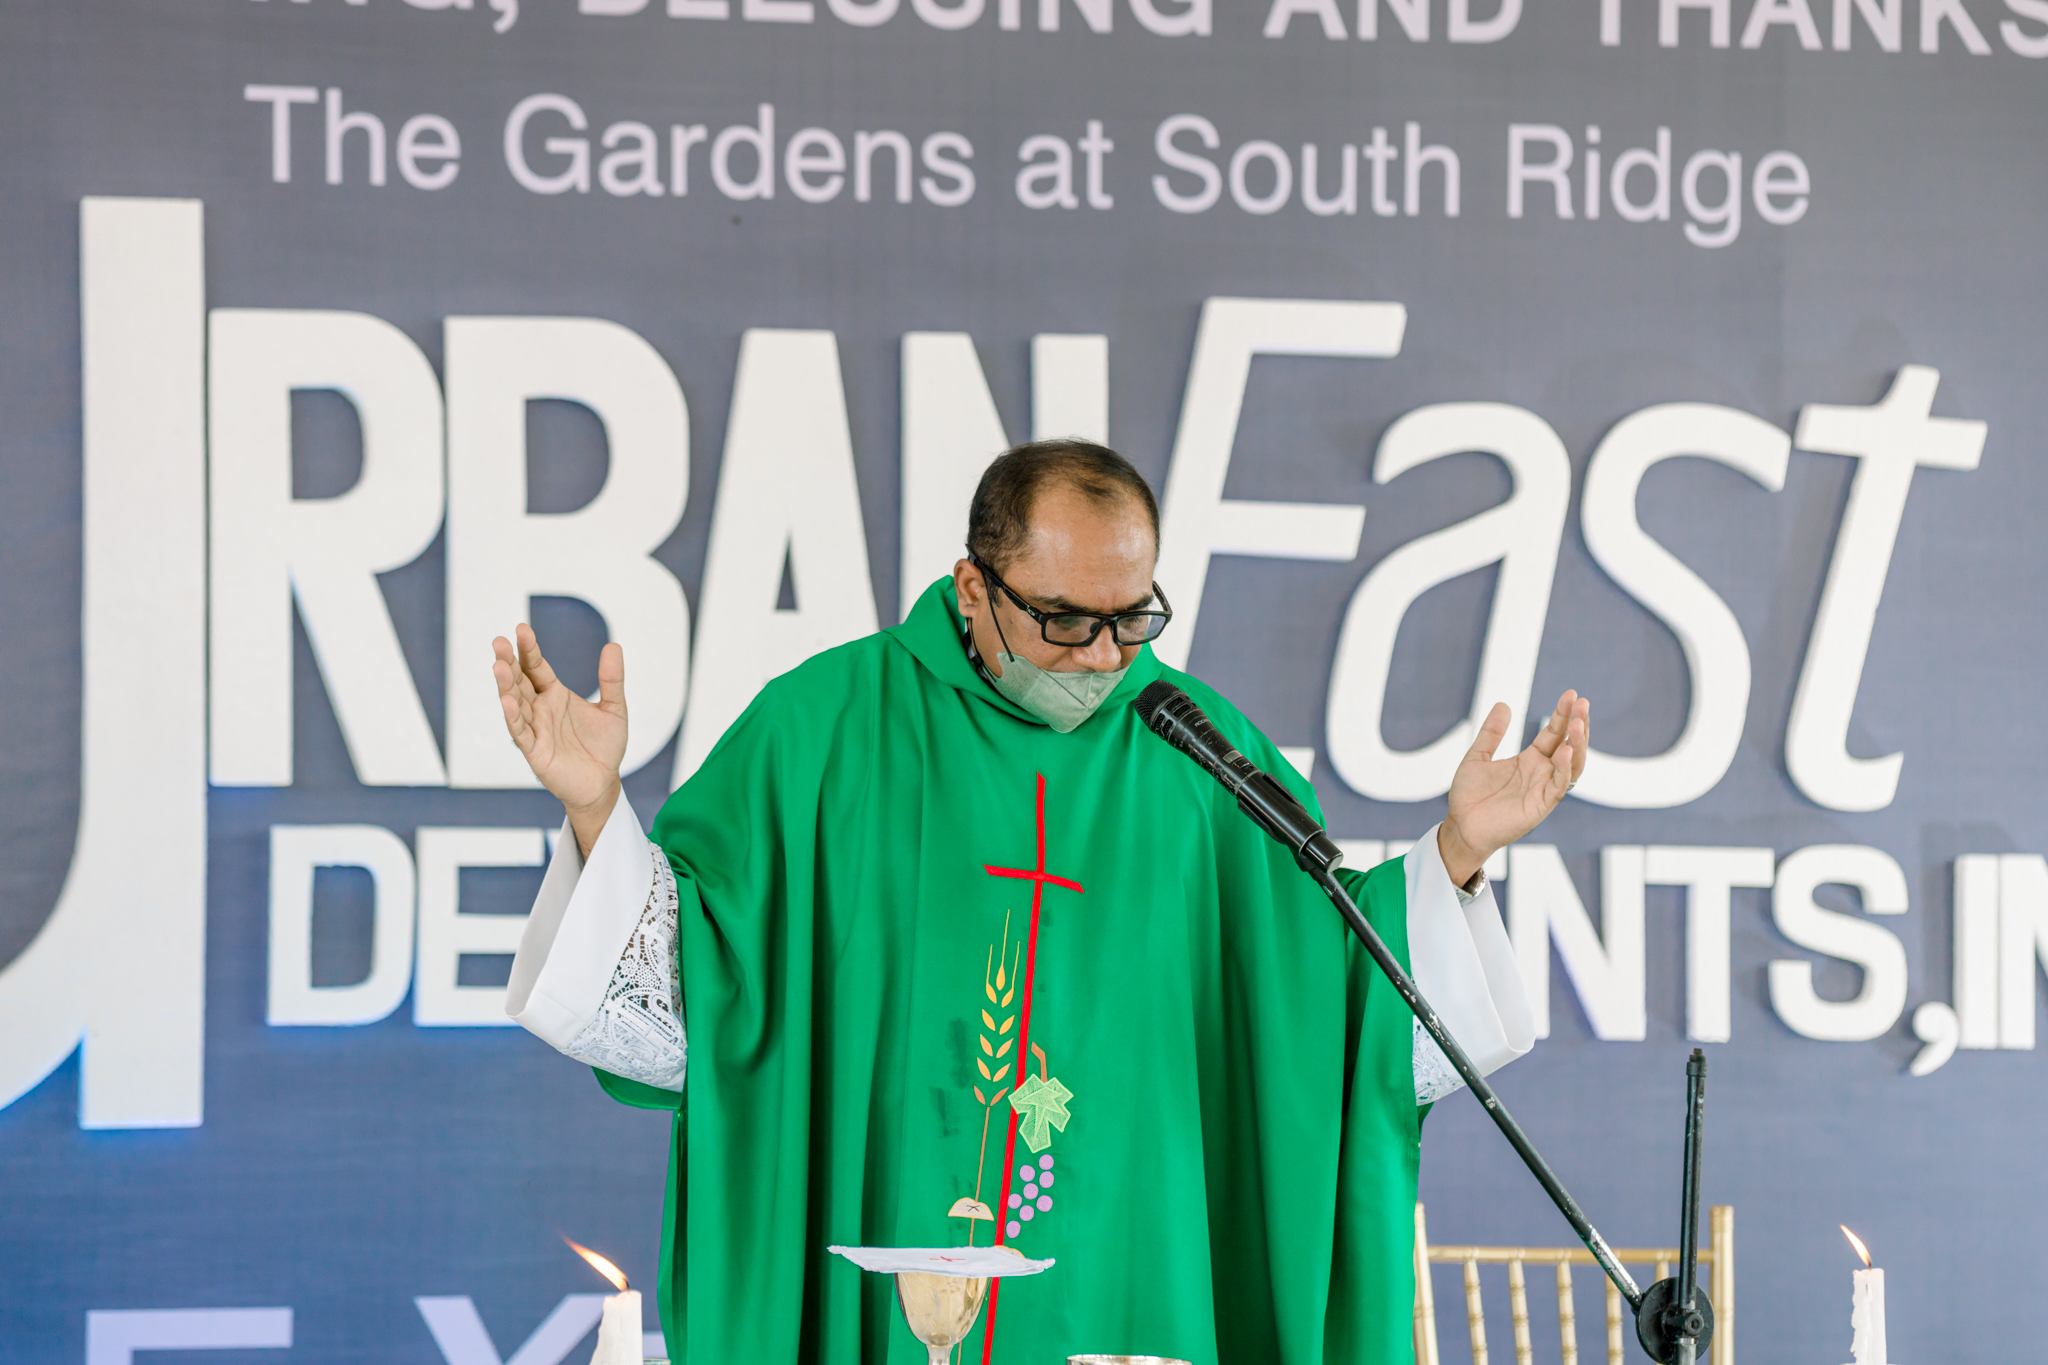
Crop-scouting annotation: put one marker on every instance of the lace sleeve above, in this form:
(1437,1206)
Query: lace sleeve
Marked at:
(637,1031)
(1434,1075)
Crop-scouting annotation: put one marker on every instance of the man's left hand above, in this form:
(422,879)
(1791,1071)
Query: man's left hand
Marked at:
(1496,801)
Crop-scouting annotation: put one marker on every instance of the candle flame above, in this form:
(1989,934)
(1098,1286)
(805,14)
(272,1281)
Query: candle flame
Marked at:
(605,1267)
(1857,1242)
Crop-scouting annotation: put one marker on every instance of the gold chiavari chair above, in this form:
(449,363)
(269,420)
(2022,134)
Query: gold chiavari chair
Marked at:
(1717,1271)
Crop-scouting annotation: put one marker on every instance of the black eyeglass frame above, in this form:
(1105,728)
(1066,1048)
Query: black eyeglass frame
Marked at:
(1101,619)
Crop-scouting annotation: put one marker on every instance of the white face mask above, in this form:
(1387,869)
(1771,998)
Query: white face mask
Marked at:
(1061,700)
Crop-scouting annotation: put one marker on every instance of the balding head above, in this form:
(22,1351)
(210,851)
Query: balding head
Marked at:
(1000,521)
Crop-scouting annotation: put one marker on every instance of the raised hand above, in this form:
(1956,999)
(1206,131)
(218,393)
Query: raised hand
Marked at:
(1496,801)
(573,746)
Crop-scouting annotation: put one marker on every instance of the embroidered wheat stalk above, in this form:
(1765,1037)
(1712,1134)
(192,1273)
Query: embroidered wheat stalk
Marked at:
(997,1036)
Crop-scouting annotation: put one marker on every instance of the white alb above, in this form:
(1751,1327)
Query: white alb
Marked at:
(597,975)
(637,1031)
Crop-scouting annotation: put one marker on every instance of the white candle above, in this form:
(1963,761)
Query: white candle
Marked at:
(618,1336)
(1866,1316)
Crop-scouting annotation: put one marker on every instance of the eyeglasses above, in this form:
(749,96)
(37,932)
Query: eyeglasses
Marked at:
(1075,629)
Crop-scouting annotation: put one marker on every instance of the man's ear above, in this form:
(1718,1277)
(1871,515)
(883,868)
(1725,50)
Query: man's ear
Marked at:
(968,586)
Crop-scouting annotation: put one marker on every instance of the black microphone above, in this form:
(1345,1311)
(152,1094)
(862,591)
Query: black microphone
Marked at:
(1172,715)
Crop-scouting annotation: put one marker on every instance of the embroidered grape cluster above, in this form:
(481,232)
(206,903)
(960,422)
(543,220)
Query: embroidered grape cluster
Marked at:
(1034,1198)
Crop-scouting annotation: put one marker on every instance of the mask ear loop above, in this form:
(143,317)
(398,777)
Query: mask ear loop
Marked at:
(994,616)
(973,653)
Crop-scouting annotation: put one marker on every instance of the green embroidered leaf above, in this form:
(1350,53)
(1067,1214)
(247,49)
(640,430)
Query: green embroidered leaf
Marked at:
(1040,1105)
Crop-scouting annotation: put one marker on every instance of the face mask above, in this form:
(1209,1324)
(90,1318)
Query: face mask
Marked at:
(1061,700)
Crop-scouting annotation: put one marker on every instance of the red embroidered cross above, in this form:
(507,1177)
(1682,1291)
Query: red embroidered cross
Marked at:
(1038,877)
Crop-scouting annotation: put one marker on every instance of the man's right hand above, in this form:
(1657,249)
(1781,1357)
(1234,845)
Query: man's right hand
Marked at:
(573,747)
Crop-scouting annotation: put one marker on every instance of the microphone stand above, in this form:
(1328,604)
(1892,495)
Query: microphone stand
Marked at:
(1404,986)
(1692,1323)
(1680,1313)
(1673,1318)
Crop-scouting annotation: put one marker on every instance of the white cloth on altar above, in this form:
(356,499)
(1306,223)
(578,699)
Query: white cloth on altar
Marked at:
(966,1262)
(596,975)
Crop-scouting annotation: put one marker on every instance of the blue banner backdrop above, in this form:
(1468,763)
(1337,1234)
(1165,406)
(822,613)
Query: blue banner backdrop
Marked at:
(1686,352)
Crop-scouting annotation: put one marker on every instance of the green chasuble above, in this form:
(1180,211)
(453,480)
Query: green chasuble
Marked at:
(931,948)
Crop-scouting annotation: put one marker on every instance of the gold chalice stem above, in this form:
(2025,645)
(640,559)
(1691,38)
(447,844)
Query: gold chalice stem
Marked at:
(939,1309)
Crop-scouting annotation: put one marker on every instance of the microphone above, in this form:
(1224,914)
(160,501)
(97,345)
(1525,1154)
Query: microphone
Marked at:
(1172,715)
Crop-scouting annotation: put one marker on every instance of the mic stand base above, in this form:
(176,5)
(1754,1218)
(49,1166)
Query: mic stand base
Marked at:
(1661,1328)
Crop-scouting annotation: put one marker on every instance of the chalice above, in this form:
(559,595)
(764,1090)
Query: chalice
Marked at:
(940,1309)
(941,1289)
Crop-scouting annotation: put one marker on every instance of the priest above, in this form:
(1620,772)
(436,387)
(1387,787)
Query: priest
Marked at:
(968,956)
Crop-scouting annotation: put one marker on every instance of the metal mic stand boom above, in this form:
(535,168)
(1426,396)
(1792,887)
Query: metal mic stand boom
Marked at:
(1673,1318)
(1404,985)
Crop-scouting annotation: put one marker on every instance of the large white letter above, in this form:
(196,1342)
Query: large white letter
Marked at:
(1708,875)
(1555,172)
(1543,906)
(1197,520)
(786,495)
(1881,17)
(951,431)
(576,176)
(268,547)
(296,851)
(1876,950)
(1891,440)
(1283,12)
(1070,386)
(500,555)
(1975,969)
(458,1329)
(2022,942)
(1716,655)
(131,919)
(2017,38)
(446,934)
(1193,19)
(1465,29)
(113,1336)
(1521,533)
(1717,20)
